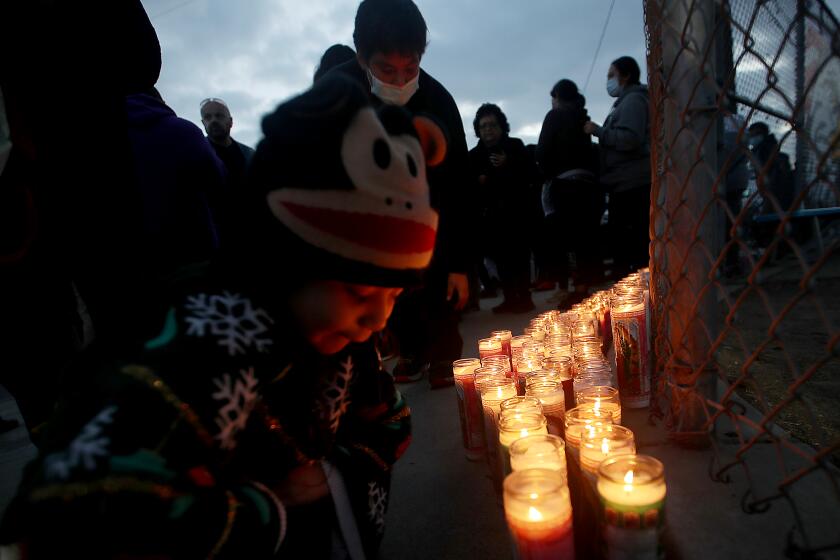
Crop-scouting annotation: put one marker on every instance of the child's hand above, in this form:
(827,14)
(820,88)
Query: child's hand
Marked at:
(304,485)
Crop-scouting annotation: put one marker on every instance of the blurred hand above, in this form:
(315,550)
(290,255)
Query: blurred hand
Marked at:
(482,179)
(498,159)
(590,127)
(458,283)
(304,485)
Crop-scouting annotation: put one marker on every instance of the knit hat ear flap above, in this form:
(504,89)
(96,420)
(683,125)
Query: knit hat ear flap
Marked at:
(432,140)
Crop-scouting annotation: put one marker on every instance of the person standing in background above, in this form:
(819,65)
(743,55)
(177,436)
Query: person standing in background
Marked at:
(572,198)
(217,121)
(390,38)
(624,143)
(504,172)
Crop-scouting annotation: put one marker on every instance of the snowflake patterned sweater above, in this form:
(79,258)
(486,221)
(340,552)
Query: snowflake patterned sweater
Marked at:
(174,453)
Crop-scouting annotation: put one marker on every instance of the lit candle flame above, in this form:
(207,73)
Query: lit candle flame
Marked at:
(534,514)
(523,432)
(628,481)
(597,407)
(605,446)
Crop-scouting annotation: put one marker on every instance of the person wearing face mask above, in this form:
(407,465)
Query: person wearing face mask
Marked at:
(390,37)
(624,142)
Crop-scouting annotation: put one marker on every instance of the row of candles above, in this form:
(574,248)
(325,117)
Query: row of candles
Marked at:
(530,401)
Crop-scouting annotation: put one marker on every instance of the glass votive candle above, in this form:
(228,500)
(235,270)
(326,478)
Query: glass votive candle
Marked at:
(516,344)
(519,405)
(537,333)
(539,514)
(603,442)
(603,397)
(553,400)
(630,338)
(632,491)
(493,392)
(581,418)
(469,407)
(540,451)
(490,347)
(499,361)
(504,337)
(515,426)
(533,349)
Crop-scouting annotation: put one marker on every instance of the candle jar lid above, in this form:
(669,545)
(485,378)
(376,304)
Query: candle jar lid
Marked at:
(541,451)
(645,469)
(522,404)
(465,366)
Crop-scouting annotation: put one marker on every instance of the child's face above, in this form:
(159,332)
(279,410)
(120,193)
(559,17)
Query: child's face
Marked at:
(334,313)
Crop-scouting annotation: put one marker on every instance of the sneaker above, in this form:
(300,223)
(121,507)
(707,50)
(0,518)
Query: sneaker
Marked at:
(409,371)
(440,376)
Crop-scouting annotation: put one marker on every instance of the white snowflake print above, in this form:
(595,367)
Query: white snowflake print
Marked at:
(377,504)
(232,319)
(239,396)
(84,450)
(335,396)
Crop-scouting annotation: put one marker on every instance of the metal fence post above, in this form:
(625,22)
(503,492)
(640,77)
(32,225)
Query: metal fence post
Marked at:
(689,238)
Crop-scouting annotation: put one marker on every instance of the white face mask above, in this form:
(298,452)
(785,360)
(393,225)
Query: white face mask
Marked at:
(613,87)
(393,95)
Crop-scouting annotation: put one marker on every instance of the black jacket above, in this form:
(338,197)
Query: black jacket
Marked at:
(449,182)
(563,145)
(503,195)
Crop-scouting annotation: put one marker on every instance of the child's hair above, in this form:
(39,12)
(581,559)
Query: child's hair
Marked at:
(389,26)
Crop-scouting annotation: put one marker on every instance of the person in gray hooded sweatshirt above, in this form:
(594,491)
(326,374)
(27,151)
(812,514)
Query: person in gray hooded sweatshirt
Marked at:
(624,141)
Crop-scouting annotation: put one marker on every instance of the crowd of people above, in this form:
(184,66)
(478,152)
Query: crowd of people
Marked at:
(548,201)
(191,327)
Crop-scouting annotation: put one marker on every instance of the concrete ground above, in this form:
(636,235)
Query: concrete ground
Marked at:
(443,506)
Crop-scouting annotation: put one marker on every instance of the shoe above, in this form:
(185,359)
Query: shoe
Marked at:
(543,286)
(409,371)
(440,376)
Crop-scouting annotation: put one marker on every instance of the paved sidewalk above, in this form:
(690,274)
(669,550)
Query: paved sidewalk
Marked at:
(443,506)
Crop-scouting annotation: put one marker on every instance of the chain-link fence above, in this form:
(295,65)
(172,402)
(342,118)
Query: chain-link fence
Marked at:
(745,229)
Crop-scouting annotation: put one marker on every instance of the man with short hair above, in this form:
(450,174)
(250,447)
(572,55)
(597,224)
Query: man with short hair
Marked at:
(390,38)
(217,121)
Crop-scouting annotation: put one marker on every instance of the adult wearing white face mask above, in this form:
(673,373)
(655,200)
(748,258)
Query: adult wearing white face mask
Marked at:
(390,38)
(624,141)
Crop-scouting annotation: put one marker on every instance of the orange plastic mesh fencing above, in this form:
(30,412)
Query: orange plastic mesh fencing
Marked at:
(745,230)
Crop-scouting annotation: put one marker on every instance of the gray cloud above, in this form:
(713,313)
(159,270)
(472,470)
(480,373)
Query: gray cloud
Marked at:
(255,53)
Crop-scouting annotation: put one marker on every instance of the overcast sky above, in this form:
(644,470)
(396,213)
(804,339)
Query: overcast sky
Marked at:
(256,53)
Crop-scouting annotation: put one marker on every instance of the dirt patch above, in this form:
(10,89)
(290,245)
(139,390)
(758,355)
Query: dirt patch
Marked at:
(767,358)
